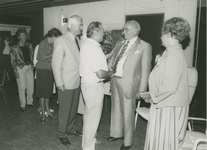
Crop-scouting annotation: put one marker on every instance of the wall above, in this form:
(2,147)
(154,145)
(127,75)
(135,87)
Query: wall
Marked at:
(112,14)
(37,27)
(13,28)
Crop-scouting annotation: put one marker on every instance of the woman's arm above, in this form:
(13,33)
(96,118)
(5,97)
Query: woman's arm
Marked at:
(14,60)
(170,81)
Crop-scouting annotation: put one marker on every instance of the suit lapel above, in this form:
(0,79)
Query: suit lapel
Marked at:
(71,43)
(135,46)
(118,50)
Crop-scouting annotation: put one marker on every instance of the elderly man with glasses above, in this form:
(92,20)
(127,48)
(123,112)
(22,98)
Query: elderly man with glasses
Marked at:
(131,64)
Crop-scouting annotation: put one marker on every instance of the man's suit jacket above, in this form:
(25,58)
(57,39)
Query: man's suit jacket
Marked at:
(65,62)
(136,68)
(168,81)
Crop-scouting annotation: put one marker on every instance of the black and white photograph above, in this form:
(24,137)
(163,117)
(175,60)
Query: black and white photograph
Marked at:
(103,75)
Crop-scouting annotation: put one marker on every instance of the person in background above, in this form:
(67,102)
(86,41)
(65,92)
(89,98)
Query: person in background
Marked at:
(168,90)
(44,75)
(131,64)
(5,60)
(93,70)
(65,66)
(2,46)
(54,88)
(21,59)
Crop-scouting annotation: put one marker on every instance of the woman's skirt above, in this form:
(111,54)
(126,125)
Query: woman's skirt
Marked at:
(166,128)
(44,83)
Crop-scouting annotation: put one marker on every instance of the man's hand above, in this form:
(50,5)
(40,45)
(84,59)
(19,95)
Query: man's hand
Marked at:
(61,88)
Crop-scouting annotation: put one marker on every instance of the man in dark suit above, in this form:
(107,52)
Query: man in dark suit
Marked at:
(131,63)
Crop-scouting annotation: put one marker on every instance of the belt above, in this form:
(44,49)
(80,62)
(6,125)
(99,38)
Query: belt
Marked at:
(117,76)
(28,63)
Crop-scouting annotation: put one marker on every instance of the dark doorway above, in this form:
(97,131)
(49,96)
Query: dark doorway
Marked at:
(151,25)
(199,99)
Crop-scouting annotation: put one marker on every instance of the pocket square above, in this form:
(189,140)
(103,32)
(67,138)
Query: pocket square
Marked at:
(136,52)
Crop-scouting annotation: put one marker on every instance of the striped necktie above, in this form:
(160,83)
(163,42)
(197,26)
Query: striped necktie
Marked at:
(120,56)
(76,41)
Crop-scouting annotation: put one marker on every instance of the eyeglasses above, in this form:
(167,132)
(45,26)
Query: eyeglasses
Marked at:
(127,29)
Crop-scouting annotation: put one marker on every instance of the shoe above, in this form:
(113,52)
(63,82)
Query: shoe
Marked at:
(23,109)
(42,120)
(65,141)
(40,111)
(52,110)
(76,133)
(115,139)
(31,105)
(98,142)
(124,147)
(50,114)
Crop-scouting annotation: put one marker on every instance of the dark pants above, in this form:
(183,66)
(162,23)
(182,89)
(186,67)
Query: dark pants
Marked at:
(68,105)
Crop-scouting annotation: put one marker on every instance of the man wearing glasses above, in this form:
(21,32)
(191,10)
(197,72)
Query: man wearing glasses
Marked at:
(131,64)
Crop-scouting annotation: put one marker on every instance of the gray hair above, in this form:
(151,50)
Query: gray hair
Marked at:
(73,19)
(135,25)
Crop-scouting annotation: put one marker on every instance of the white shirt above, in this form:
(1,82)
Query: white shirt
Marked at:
(120,64)
(35,55)
(92,59)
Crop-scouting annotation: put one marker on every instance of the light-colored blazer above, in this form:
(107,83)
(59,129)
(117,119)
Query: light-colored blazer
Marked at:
(168,85)
(136,68)
(65,62)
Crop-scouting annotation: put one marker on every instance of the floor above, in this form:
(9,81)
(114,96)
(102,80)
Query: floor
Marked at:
(23,130)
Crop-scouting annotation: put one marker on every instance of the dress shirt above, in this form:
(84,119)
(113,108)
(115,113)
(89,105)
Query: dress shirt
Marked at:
(92,59)
(121,62)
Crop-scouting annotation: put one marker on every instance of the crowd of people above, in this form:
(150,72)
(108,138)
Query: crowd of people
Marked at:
(81,67)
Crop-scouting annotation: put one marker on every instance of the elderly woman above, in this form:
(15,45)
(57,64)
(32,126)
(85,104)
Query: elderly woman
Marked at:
(168,90)
(44,76)
(21,59)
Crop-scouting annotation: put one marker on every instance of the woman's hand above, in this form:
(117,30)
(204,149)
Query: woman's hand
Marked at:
(146,96)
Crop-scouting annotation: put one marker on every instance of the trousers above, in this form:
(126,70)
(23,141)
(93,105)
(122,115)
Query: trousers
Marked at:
(25,83)
(93,94)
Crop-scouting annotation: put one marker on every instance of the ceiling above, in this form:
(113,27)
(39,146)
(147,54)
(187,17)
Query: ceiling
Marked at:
(11,3)
(13,7)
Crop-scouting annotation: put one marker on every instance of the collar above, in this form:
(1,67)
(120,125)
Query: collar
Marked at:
(94,42)
(133,40)
(176,45)
(71,35)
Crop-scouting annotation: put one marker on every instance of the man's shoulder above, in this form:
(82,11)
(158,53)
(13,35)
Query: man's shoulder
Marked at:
(144,42)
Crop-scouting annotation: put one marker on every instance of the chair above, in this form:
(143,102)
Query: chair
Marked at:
(2,81)
(194,140)
(107,93)
(192,83)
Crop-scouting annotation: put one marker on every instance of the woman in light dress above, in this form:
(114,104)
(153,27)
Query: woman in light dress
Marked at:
(168,90)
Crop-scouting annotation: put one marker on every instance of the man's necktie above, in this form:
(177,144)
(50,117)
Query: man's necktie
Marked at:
(120,56)
(76,41)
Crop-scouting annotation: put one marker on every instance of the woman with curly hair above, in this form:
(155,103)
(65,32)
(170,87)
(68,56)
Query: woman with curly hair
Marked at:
(168,90)
(44,75)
